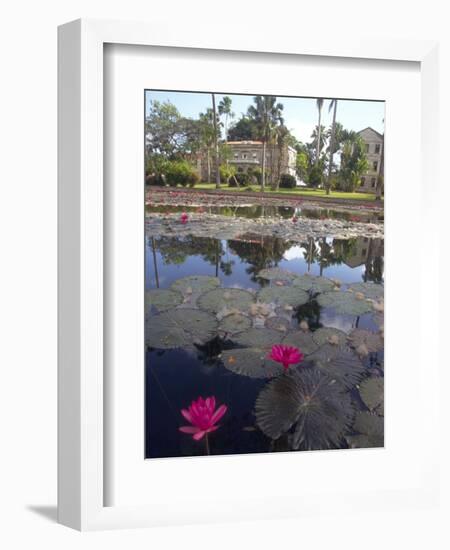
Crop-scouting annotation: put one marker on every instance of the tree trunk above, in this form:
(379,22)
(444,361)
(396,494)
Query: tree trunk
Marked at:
(319,131)
(332,138)
(208,160)
(263,168)
(216,143)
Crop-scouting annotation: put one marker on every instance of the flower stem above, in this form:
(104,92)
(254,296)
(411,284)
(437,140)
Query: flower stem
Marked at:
(207,444)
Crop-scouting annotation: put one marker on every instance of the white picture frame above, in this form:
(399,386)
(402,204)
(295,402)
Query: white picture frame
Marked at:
(81,360)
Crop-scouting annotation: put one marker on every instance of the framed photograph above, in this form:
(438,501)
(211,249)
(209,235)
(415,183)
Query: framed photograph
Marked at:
(228,297)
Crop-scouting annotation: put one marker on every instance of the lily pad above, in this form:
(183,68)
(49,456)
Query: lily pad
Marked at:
(301,340)
(276,274)
(339,364)
(372,394)
(315,284)
(195,285)
(283,295)
(262,338)
(372,426)
(162,299)
(306,400)
(329,335)
(235,322)
(225,298)
(278,323)
(373,291)
(251,362)
(360,441)
(180,327)
(345,303)
(373,341)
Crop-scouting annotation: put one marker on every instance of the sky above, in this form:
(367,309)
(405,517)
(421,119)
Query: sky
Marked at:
(300,114)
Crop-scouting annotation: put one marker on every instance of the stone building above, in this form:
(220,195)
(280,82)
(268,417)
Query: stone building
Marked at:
(374,149)
(248,154)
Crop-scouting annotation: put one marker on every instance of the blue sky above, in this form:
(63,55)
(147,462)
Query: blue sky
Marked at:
(300,114)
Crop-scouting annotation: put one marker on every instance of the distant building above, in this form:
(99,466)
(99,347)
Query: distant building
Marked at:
(374,148)
(248,154)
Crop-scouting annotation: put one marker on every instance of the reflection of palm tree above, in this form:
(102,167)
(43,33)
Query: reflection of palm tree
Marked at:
(155,264)
(311,253)
(267,252)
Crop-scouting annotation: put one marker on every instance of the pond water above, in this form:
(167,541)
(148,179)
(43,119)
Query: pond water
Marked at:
(286,212)
(178,375)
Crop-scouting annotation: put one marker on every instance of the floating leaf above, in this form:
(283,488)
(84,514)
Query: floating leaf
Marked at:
(194,285)
(372,426)
(329,335)
(162,299)
(225,298)
(276,274)
(319,411)
(284,295)
(372,393)
(262,338)
(373,291)
(251,362)
(301,340)
(180,327)
(235,322)
(315,284)
(339,364)
(360,441)
(373,341)
(345,303)
(278,323)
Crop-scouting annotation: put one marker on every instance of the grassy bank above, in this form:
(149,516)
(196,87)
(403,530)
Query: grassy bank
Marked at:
(303,192)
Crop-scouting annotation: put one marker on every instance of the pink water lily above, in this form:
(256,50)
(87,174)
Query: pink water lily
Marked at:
(184,218)
(294,219)
(286,355)
(203,417)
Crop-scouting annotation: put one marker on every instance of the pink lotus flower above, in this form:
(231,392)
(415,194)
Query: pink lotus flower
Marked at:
(202,416)
(184,218)
(294,219)
(286,355)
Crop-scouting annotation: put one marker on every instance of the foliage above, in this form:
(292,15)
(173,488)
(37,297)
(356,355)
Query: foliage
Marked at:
(180,172)
(287,181)
(245,129)
(315,178)
(302,165)
(155,179)
(353,163)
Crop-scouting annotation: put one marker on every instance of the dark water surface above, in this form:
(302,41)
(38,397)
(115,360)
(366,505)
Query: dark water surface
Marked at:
(175,377)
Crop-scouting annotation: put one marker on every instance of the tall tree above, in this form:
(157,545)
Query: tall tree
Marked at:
(319,103)
(216,141)
(266,113)
(225,109)
(333,105)
(380,178)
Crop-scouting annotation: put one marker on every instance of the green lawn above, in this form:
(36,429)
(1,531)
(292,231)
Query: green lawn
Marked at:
(303,192)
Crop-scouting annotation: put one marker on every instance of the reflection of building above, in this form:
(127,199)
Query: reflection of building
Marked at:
(374,148)
(363,250)
(245,155)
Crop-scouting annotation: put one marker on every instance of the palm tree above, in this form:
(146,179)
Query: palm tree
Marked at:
(380,179)
(319,103)
(282,135)
(225,109)
(333,105)
(266,113)
(216,143)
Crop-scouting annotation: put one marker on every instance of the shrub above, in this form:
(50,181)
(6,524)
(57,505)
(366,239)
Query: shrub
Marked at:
(226,172)
(241,177)
(255,175)
(180,172)
(155,179)
(287,181)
